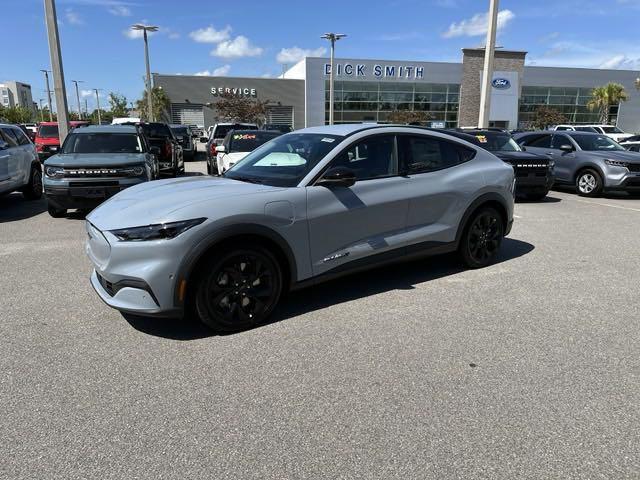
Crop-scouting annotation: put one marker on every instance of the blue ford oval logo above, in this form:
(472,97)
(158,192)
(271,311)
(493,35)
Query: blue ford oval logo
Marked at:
(501,83)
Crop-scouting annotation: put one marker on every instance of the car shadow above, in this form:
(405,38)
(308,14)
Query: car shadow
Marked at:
(612,195)
(14,207)
(402,276)
(547,199)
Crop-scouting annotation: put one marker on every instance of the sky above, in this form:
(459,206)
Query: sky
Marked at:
(255,38)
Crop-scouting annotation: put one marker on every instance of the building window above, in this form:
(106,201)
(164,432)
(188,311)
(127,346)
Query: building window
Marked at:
(569,101)
(356,102)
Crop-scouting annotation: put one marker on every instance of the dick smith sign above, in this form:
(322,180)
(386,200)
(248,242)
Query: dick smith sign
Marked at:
(376,71)
(236,91)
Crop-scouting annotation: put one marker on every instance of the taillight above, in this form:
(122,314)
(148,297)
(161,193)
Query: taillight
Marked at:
(167,149)
(212,148)
(39,147)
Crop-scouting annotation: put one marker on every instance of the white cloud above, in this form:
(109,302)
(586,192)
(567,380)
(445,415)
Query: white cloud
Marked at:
(295,54)
(607,55)
(86,93)
(119,11)
(217,72)
(210,34)
(73,17)
(236,48)
(477,25)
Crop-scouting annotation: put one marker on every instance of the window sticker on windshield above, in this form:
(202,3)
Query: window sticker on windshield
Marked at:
(245,136)
(329,140)
(481,138)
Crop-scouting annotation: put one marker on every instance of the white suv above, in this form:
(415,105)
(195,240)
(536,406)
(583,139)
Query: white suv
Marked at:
(20,168)
(610,131)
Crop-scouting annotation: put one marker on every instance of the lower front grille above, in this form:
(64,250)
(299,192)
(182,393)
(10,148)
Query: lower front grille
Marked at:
(107,285)
(633,167)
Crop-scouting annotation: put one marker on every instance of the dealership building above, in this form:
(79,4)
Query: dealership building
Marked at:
(369,90)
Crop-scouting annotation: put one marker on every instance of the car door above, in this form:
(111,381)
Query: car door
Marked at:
(436,187)
(565,161)
(14,157)
(368,218)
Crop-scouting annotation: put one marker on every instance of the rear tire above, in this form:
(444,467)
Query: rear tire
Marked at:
(538,196)
(33,190)
(589,183)
(238,288)
(56,212)
(481,238)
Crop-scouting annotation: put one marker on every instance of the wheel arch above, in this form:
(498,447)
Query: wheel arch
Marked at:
(259,234)
(589,166)
(486,200)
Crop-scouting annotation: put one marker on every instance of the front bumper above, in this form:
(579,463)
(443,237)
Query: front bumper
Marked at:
(136,277)
(85,194)
(533,182)
(620,178)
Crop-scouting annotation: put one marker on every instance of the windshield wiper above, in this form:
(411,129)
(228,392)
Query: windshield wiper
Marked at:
(246,179)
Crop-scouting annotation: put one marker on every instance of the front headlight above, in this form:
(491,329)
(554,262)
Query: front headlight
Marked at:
(615,163)
(54,172)
(159,231)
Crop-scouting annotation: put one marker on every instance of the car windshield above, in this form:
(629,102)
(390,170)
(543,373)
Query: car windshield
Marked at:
(592,143)
(156,130)
(248,142)
(586,129)
(48,131)
(497,142)
(102,143)
(285,160)
(180,131)
(606,129)
(222,130)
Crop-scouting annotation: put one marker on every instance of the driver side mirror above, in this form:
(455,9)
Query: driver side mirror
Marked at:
(337,177)
(220,149)
(566,147)
(3,145)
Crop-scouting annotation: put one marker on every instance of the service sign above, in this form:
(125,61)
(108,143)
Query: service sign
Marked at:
(235,91)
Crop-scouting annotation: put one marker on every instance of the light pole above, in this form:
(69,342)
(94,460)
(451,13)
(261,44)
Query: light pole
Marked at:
(98,105)
(332,37)
(145,29)
(46,79)
(56,67)
(487,73)
(41,112)
(76,82)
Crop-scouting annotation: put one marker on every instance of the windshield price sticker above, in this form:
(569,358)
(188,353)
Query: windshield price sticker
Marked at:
(329,140)
(245,136)
(481,138)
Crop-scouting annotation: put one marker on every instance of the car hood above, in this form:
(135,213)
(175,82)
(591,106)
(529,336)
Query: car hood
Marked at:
(521,157)
(94,159)
(162,200)
(625,156)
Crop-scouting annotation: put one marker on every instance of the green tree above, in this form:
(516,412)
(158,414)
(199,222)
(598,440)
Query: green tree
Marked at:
(16,114)
(161,105)
(240,109)
(546,116)
(606,96)
(105,116)
(406,117)
(118,105)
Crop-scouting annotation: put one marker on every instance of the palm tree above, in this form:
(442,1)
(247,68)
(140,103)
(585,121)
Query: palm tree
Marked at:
(602,98)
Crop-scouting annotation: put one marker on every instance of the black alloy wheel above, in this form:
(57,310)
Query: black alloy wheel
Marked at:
(238,289)
(482,238)
(33,190)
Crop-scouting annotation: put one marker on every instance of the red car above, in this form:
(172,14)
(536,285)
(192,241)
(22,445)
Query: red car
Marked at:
(48,139)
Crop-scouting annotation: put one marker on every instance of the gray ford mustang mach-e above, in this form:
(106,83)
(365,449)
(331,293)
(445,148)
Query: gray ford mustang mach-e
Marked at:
(304,207)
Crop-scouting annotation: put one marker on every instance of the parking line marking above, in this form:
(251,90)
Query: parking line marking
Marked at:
(608,205)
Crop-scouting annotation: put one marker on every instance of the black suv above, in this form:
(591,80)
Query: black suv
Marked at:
(534,173)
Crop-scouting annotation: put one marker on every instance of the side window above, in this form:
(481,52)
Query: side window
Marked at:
(9,137)
(20,136)
(543,141)
(559,140)
(421,154)
(373,157)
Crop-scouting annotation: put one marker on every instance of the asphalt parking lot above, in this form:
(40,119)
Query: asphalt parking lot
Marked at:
(526,369)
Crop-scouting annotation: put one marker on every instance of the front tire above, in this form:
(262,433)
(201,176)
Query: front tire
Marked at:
(589,183)
(56,212)
(33,190)
(238,288)
(482,238)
